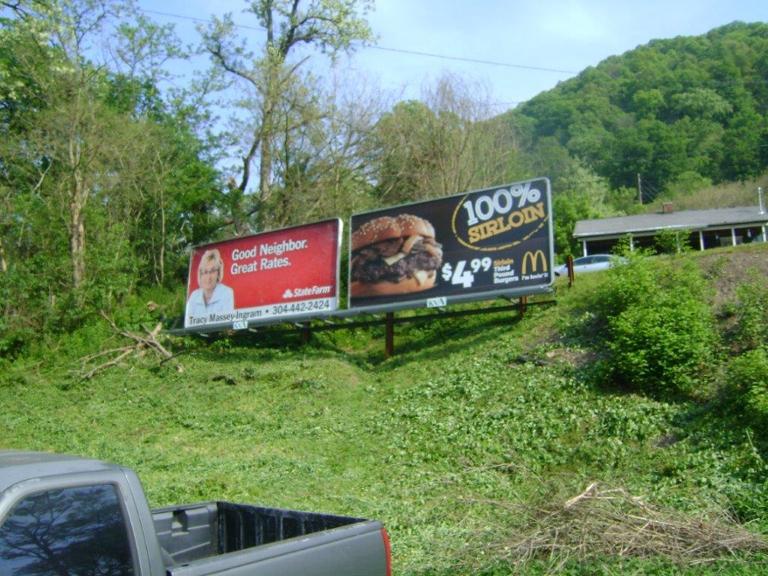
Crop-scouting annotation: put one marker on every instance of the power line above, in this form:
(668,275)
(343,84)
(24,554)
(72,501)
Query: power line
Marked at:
(199,20)
(473,60)
(709,82)
(386,48)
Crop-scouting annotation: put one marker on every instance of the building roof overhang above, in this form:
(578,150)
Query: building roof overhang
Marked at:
(693,220)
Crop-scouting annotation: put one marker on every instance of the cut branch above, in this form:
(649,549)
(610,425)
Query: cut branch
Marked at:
(140,344)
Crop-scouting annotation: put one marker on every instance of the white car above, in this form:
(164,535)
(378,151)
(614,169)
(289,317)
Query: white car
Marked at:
(591,263)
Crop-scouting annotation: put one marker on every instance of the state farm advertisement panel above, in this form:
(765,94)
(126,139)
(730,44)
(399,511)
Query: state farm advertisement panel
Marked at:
(496,240)
(282,273)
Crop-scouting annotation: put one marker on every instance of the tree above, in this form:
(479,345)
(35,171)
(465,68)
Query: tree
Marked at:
(321,166)
(442,145)
(272,74)
(664,109)
(99,181)
(747,130)
(578,194)
(67,140)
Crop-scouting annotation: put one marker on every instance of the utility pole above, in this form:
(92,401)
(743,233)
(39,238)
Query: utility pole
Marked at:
(639,188)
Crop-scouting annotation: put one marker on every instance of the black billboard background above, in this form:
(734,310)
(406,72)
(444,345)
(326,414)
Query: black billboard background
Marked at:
(494,240)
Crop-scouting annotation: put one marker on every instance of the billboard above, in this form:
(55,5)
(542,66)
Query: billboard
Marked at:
(282,273)
(473,245)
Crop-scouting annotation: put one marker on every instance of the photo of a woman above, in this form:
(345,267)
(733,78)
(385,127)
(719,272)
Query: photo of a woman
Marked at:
(212,297)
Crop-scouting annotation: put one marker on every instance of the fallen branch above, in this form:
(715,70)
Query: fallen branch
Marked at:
(141,343)
(103,353)
(113,362)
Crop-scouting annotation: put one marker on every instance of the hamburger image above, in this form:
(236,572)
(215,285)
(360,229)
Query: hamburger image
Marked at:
(394,256)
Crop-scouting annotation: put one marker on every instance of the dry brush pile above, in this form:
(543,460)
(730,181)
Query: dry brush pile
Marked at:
(609,522)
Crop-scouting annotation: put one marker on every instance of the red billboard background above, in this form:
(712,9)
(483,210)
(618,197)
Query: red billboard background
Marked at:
(286,272)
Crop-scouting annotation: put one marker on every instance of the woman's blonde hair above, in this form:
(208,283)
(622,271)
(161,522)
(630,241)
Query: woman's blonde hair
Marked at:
(213,256)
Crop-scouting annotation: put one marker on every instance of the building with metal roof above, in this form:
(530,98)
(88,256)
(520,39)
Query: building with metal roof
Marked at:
(703,228)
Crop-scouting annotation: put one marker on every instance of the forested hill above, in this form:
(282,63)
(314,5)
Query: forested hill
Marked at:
(681,109)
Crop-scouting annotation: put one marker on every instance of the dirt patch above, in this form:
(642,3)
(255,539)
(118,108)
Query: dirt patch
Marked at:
(728,269)
(561,356)
(573,357)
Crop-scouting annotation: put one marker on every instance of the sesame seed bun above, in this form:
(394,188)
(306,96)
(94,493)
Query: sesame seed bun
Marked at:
(411,225)
(388,228)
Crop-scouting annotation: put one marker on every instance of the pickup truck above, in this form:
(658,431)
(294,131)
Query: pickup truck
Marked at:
(71,516)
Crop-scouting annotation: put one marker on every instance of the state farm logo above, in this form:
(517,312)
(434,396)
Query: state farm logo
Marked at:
(303,292)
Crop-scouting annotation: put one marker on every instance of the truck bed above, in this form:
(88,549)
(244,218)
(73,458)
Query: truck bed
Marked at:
(197,531)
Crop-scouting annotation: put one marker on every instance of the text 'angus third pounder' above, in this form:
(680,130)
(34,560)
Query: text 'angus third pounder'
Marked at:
(474,245)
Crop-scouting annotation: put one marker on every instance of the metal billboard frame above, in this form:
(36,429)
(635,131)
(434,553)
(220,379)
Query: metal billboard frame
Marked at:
(475,296)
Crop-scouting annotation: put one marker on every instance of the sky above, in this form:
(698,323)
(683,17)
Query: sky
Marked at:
(511,49)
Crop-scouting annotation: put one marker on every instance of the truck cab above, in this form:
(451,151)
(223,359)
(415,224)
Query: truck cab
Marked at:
(62,514)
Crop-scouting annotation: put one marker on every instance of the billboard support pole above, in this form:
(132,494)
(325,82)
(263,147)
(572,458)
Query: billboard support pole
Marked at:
(523,305)
(306,332)
(389,347)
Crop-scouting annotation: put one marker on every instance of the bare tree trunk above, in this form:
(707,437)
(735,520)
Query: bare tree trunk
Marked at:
(162,236)
(267,135)
(265,165)
(78,196)
(77,238)
(3,261)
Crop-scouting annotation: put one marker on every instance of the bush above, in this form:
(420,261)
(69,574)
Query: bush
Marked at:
(661,334)
(662,347)
(752,313)
(747,371)
(686,184)
(672,241)
(747,386)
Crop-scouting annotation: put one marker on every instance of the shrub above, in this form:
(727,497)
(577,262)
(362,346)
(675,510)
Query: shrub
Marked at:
(747,371)
(626,285)
(661,334)
(752,312)
(747,386)
(661,347)
(672,241)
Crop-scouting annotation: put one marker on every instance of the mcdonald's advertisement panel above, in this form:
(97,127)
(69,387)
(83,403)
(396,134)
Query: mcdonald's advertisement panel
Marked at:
(491,241)
(282,273)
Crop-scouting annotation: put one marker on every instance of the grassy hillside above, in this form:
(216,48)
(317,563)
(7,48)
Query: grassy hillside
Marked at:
(726,195)
(475,444)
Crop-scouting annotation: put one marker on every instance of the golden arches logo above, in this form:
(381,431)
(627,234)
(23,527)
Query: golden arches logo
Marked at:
(531,260)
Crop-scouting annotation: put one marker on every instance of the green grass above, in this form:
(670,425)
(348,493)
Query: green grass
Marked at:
(457,443)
